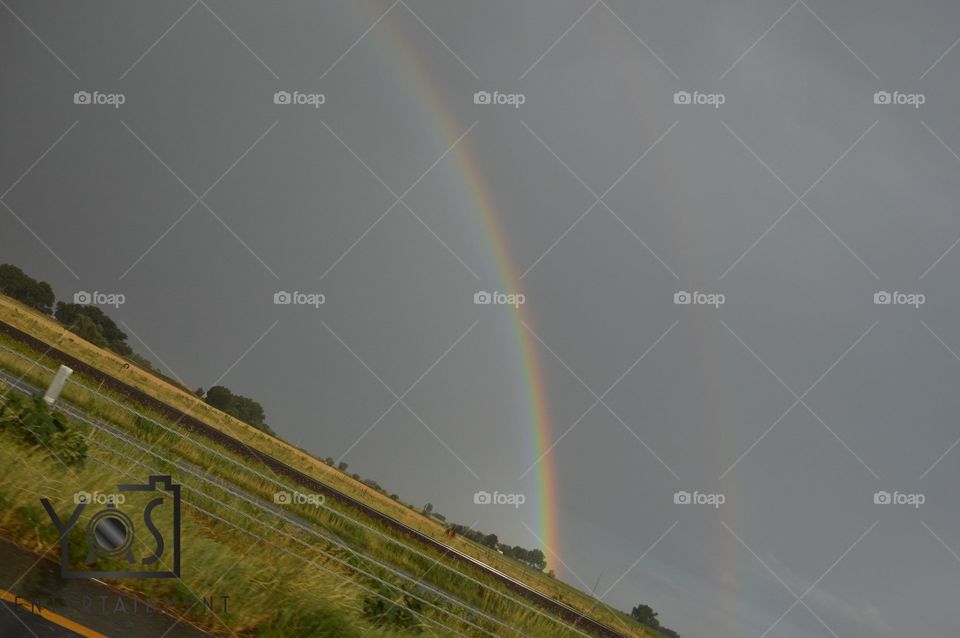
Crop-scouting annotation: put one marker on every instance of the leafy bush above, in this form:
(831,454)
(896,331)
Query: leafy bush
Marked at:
(34,423)
(69,446)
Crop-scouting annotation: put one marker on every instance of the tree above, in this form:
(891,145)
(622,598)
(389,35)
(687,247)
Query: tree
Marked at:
(645,615)
(532,557)
(428,508)
(71,315)
(220,397)
(537,559)
(239,407)
(25,289)
(86,329)
(249,411)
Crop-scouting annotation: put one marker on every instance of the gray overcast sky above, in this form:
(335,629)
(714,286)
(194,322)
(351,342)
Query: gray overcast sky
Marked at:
(798,198)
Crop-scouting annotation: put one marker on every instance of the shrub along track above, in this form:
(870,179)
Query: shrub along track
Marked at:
(243,450)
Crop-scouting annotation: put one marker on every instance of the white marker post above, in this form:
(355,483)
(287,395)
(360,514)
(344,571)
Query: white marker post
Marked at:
(56,386)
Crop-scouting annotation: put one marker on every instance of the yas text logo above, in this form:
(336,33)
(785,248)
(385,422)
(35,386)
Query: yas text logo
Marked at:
(114,536)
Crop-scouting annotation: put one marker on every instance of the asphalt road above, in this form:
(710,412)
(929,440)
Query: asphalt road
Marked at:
(38,603)
(18,623)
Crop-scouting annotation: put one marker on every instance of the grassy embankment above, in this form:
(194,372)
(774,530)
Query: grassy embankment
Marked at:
(114,410)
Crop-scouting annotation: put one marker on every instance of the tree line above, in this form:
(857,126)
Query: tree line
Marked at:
(94,325)
(530,557)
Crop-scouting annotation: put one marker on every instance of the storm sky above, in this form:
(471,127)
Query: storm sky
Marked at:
(814,168)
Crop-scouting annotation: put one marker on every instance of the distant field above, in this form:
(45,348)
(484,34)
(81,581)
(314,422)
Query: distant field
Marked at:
(115,411)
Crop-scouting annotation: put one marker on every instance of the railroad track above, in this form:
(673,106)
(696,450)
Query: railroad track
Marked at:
(188,422)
